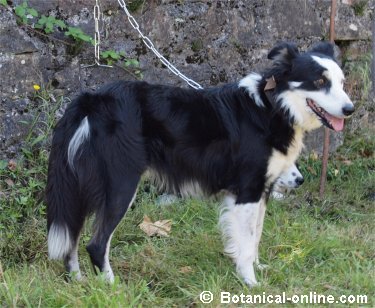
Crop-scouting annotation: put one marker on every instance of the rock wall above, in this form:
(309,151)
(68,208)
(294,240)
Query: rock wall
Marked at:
(212,42)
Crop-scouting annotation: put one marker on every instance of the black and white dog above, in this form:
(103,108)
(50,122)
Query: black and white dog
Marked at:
(235,139)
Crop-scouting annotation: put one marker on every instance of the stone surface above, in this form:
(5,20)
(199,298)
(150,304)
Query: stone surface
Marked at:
(212,42)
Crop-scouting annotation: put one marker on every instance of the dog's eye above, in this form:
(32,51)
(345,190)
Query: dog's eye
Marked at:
(319,83)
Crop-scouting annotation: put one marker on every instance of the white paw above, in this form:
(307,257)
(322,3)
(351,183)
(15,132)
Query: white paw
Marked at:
(251,282)
(261,266)
(166,199)
(277,195)
(246,271)
(76,275)
(109,277)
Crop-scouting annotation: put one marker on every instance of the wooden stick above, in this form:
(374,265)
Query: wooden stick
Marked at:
(323,176)
(373,56)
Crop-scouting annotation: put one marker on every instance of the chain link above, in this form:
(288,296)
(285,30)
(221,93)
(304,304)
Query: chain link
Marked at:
(97,32)
(150,46)
(97,15)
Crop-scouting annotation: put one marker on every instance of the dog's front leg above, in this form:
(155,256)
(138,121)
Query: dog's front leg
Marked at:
(259,230)
(239,227)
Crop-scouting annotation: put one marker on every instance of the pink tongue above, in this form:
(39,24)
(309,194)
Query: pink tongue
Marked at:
(337,124)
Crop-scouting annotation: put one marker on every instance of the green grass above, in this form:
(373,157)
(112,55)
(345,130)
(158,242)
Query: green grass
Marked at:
(324,246)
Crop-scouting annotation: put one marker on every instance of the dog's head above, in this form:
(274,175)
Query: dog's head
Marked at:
(310,85)
(289,179)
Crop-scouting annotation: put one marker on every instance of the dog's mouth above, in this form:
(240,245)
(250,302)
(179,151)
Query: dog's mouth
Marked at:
(327,119)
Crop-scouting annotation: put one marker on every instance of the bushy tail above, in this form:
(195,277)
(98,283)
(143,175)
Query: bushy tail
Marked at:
(65,210)
(59,241)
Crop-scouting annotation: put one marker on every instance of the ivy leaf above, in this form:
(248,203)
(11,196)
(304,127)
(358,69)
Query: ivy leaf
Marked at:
(104,55)
(49,27)
(32,12)
(85,38)
(131,62)
(20,11)
(60,24)
(78,34)
(42,20)
(51,18)
(113,54)
(4,2)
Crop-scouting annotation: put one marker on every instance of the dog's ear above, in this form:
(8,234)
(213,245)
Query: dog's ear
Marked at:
(283,52)
(325,48)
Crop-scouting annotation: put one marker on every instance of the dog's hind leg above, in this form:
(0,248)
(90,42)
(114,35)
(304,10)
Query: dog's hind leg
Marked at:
(120,195)
(72,264)
(239,223)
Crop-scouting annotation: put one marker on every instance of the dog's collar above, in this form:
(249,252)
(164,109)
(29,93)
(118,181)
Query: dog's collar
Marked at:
(269,90)
(271,84)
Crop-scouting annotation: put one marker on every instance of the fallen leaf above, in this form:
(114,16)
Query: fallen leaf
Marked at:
(160,227)
(185,269)
(12,165)
(366,153)
(347,162)
(314,155)
(311,170)
(9,182)
(358,255)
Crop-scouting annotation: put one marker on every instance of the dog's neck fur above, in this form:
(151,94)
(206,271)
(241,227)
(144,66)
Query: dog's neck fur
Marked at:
(279,98)
(277,102)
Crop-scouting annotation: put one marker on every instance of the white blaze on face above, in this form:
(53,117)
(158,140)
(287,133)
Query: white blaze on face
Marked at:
(335,99)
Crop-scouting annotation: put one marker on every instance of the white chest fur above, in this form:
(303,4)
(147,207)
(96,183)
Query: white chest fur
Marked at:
(280,162)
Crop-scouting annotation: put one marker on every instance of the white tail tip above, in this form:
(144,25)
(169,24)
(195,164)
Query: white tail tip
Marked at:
(59,242)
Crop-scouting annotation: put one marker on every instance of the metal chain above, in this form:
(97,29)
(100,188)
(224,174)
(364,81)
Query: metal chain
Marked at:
(97,33)
(151,46)
(97,14)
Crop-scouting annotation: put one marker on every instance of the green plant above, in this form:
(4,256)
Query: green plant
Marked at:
(197,45)
(48,23)
(134,5)
(4,2)
(24,12)
(359,76)
(112,56)
(78,35)
(359,7)
(21,196)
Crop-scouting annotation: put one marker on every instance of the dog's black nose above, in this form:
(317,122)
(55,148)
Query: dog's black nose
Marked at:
(348,109)
(299,181)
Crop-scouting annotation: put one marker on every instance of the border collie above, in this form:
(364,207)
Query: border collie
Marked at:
(291,178)
(236,139)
